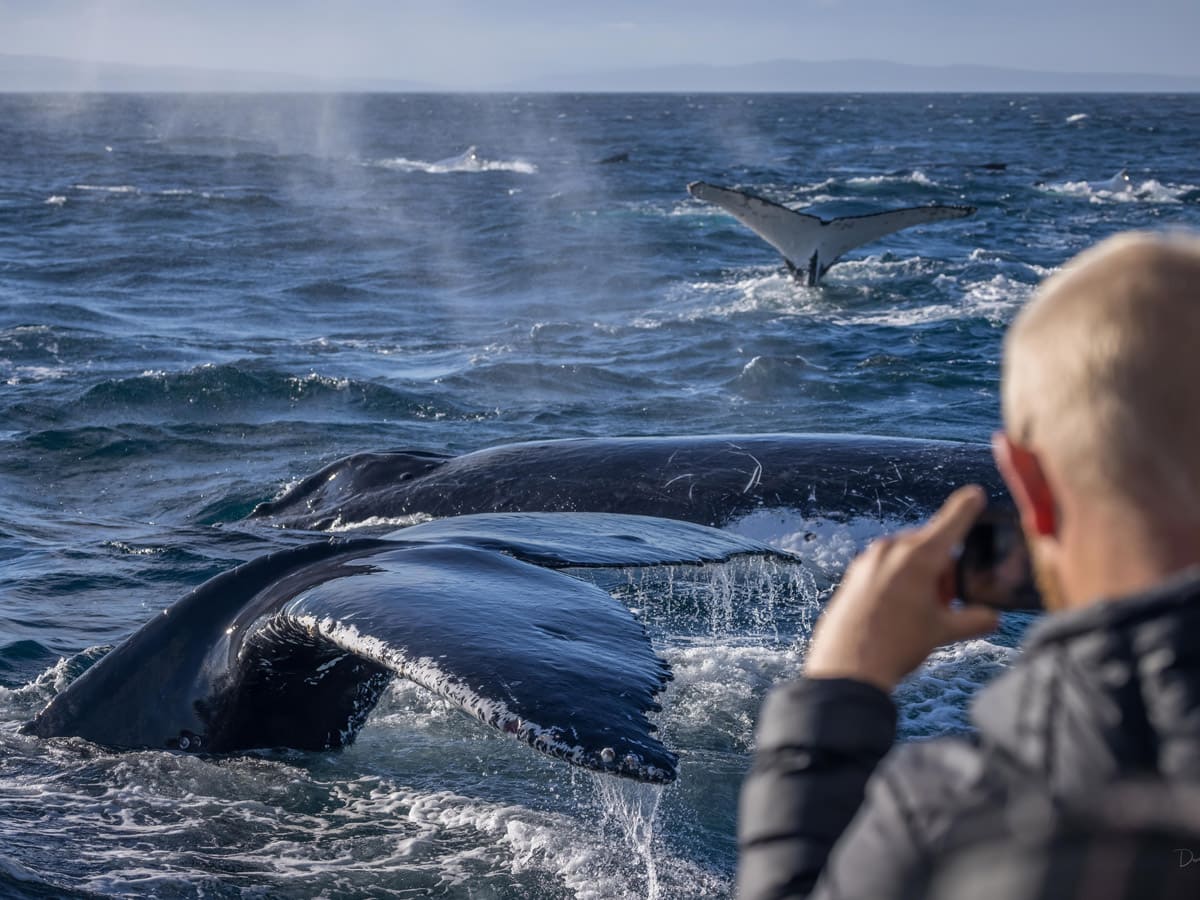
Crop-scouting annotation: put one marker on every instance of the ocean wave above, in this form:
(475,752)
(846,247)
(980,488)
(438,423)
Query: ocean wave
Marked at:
(36,354)
(914,177)
(825,184)
(107,188)
(935,700)
(467,161)
(18,656)
(163,824)
(13,375)
(719,685)
(17,882)
(749,290)
(771,376)
(221,390)
(535,380)
(339,525)
(326,289)
(996,298)
(990,256)
(30,696)
(230,195)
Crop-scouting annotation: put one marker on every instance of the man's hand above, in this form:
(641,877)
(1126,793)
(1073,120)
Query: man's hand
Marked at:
(893,606)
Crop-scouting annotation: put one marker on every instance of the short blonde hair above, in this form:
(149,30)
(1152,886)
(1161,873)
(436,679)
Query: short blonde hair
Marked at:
(1102,371)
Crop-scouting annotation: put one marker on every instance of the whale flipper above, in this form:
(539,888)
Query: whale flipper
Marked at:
(810,244)
(295,648)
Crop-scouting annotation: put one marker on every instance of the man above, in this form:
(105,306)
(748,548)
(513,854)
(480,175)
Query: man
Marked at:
(1101,453)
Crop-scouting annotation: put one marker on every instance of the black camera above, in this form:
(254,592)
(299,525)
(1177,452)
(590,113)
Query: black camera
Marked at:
(994,567)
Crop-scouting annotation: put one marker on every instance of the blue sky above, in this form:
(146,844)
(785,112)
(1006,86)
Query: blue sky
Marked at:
(473,43)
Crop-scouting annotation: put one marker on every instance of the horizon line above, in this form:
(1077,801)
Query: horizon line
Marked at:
(537,84)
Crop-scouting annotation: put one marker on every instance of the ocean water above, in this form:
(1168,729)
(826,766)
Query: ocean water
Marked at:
(204,298)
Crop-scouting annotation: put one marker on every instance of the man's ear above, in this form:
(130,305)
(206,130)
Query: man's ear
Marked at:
(1027,482)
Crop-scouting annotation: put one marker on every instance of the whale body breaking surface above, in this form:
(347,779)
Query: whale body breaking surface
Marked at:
(706,479)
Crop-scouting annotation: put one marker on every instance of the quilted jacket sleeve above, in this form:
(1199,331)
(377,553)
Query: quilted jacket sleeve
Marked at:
(819,741)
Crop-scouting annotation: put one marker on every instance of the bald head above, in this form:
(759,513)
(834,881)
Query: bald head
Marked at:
(1102,373)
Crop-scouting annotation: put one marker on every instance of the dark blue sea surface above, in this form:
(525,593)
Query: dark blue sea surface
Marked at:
(204,298)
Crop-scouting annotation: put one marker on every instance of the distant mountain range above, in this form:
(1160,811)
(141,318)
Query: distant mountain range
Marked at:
(859,75)
(46,73)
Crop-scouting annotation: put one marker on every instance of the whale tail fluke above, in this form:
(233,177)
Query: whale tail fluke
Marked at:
(551,660)
(808,243)
(295,649)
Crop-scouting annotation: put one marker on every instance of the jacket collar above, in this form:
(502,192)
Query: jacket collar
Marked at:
(1103,690)
(1180,589)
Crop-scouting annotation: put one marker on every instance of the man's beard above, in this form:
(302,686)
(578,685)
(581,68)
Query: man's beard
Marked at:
(1048,583)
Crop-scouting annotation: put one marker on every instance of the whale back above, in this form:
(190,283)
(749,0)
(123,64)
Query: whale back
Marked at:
(708,480)
(353,476)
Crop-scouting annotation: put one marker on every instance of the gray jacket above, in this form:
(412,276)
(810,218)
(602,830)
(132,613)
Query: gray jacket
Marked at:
(1102,694)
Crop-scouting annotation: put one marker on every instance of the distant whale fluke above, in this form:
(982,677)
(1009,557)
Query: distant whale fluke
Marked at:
(1119,183)
(809,244)
(468,157)
(295,648)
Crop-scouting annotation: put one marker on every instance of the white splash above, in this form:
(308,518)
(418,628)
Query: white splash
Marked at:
(108,189)
(962,293)
(468,161)
(750,596)
(30,697)
(31,374)
(633,808)
(718,687)
(300,384)
(914,177)
(824,543)
(935,699)
(1120,190)
(341,525)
